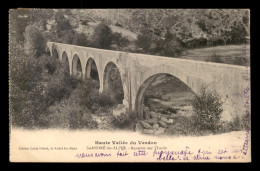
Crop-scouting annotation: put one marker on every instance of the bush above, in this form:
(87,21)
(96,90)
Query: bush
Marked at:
(149,43)
(144,40)
(64,31)
(124,121)
(207,108)
(87,94)
(120,41)
(102,37)
(170,46)
(36,84)
(24,74)
(105,100)
(238,34)
(69,115)
(48,63)
(186,126)
(81,40)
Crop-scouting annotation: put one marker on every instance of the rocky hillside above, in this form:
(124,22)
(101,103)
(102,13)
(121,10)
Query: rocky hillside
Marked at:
(190,25)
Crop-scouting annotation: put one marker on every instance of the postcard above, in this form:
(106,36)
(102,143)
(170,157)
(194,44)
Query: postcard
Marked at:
(129,85)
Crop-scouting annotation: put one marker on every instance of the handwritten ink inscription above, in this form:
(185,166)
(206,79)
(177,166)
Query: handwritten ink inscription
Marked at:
(186,154)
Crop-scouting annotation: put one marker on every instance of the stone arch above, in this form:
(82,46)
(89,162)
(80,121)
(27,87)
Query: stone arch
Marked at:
(139,100)
(55,53)
(65,62)
(76,65)
(91,69)
(112,74)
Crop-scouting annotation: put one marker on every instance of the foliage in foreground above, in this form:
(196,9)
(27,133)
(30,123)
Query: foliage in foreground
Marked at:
(207,108)
(68,114)
(36,84)
(206,117)
(124,121)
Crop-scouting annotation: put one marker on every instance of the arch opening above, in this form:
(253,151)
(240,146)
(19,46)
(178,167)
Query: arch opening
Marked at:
(48,52)
(165,94)
(112,84)
(76,66)
(55,54)
(65,63)
(92,72)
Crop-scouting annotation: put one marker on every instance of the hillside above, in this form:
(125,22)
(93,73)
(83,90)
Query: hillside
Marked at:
(189,29)
(129,21)
(89,28)
(228,54)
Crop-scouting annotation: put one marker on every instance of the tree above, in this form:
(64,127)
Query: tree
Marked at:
(207,108)
(81,40)
(169,46)
(64,30)
(144,40)
(119,40)
(102,37)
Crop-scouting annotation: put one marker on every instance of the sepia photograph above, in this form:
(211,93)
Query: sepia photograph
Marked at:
(129,85)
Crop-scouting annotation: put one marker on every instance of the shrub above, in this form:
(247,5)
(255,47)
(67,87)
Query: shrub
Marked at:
(102,37)
(48,63)
(144,40)
(81,39)
(186,126)
(62,24)
(36,85)
(87,94)
(124,121)
(64,31)
(207,108)
(170,46)
(105,100)
(238,34)
(69,115)
(119,40)
(24,74)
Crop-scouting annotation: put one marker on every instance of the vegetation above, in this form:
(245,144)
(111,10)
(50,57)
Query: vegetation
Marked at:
(229,54)
(124,121)
(102,37)
(207,108)
(43,94)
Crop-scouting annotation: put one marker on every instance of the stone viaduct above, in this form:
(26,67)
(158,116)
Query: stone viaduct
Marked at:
(137,71)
